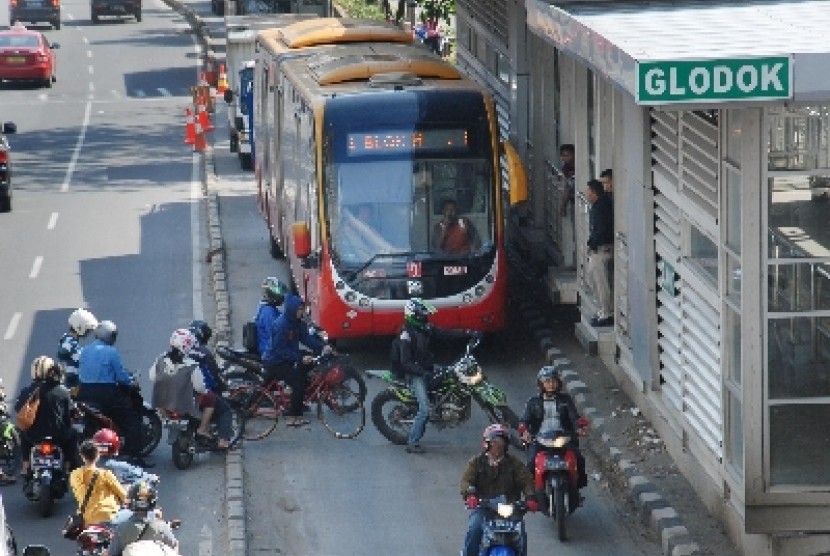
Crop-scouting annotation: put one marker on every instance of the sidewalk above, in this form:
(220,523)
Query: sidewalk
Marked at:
(635,464)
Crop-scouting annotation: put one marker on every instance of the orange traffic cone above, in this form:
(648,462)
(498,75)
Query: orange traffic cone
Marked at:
(203,82)
(204,117)
(222,84)
(189,127)
(199,144)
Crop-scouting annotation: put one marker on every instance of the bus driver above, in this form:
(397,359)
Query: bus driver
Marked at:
(454,234)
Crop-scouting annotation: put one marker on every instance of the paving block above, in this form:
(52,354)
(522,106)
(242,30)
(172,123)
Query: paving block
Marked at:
(639,484)
(662,518)
(650,501)
(688,549)
(670,537)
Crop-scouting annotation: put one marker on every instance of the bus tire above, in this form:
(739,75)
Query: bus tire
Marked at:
(276,251)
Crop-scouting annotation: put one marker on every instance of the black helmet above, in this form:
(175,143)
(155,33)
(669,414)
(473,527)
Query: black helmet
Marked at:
(548,373)
(201,330)
(142,497)
(106,331)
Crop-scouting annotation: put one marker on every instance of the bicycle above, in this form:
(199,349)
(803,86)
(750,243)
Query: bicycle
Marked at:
(339,407)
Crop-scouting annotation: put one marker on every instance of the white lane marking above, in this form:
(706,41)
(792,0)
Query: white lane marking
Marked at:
(77,152)
(195,233)
(12,328)
(86,40)
(91,86)
(53,221)
(206,541)
(89,54)
(38,262)
(91,70)
(164,92)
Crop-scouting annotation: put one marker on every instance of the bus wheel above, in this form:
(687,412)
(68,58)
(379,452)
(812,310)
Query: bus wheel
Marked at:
(276,252)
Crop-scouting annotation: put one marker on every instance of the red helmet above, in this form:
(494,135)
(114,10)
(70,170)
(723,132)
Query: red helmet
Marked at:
(494,430)
(107,442)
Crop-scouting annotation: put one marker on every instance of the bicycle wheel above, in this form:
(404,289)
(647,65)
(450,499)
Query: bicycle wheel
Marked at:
(341,411)
(260,411)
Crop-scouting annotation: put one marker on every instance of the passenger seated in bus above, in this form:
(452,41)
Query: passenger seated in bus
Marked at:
(454,234)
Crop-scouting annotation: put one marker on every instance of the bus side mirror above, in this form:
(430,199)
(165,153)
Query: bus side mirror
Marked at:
(517,174)
(302,239)
(228,96)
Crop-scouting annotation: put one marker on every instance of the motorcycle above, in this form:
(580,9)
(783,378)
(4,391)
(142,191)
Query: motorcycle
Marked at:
(49,480)
(95,540)
(181,435)
(92,419)
(556,473)
(451,392)
(502,527)
(11,457)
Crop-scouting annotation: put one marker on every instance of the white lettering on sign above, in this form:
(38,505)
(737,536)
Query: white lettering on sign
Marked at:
(747,78)
(455,270)
(770,77)
(723,79)
(674,88)
(654,82)
(699,81)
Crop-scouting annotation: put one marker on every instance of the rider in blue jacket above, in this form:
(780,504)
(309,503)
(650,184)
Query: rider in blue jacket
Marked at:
(268,310)
(285,361)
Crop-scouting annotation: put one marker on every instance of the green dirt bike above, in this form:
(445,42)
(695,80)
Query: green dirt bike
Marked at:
(451,392)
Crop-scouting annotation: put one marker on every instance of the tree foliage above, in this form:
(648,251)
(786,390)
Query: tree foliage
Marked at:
(437,9)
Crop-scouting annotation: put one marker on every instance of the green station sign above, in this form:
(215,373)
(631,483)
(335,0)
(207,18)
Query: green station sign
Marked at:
(726,80)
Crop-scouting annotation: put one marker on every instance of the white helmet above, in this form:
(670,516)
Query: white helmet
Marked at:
(82,322)
(43,367)
(183,340)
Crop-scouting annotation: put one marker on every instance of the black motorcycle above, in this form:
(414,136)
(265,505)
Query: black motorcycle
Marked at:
(181,435)
(48,480)
(451,392)
(11,457)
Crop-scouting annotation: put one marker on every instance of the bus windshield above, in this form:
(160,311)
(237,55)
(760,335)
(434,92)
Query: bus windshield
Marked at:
(438,207)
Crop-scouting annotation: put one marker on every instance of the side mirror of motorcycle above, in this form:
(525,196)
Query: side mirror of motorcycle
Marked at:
(36,550)
(175,523)
(471,490)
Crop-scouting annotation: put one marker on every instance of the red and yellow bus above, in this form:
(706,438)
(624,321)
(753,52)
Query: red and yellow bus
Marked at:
(362,137)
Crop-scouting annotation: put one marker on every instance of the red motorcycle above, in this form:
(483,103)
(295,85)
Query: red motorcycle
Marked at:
(556,474)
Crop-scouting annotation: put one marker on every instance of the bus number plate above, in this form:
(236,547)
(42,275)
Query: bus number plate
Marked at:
(455,270)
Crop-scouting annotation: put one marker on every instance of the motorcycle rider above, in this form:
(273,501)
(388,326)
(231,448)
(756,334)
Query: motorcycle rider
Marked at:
(413,358)
(108,444)
(176,377)
(81,323)
(268,310)
(490,474)
(54,414)
(141,522)
(105,383)
(211,402)
(549,410)
(283,360)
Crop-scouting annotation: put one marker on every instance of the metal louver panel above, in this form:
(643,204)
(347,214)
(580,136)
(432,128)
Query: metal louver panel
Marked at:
(702,404)
(491,14)
(670,346)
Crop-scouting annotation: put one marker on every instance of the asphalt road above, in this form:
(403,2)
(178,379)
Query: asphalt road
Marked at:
(106,214)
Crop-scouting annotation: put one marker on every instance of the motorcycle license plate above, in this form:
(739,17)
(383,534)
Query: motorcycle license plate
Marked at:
(505,526)
(46,463)
(556,464)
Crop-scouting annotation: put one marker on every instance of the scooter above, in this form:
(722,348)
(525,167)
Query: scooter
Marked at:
(556,473)
(95,540)
(502,527)
(181,435)
(48,478)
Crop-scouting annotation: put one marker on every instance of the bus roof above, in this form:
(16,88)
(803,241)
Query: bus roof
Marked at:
(330,30)
(329,69)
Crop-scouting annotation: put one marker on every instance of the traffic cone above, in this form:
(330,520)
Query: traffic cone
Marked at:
(189,127)
(222,84)
(203,82)
(199,144)
(204,117)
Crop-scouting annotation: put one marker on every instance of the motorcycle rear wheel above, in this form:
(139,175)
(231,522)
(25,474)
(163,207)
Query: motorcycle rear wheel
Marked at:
(150,431)
(45,502)
(181,452)
(392,417)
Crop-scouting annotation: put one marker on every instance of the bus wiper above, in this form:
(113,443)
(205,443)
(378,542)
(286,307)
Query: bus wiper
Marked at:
(374,258)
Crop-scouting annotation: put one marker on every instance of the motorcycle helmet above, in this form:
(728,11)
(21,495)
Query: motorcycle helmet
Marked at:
(417,311)
(142,497)
(548,373)
(43,367)
(493,431)
(107,442)
(82,322)
(273,290)
(183,340)
(106,331)
(201,330)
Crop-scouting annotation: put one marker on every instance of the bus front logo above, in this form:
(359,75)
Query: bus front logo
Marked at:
(413,269)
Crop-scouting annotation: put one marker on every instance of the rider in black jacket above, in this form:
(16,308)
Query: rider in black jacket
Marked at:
(415,360)
(54,414)
(551,409)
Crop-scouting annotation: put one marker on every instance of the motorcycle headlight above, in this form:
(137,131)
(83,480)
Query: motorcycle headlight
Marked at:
(505,510)
(475,378)
(560,441)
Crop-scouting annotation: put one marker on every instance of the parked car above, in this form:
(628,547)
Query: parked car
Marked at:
(118,8)
(26,55)
(34,11)
(6,167)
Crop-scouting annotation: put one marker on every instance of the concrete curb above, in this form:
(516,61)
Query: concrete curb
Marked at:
(653,507)
(237,542)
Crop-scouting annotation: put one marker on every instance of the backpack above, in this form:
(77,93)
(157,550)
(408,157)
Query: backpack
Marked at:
(28,413)
(250,341)
(395,358)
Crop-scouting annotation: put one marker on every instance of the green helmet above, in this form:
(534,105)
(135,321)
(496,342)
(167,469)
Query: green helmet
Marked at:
(417,311)
(273,290)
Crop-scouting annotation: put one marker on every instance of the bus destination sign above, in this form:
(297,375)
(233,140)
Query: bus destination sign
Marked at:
(400,141)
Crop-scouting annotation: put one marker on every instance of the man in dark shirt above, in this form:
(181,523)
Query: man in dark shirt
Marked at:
(600,251)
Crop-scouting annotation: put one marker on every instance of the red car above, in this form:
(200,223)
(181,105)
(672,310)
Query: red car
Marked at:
(27,55)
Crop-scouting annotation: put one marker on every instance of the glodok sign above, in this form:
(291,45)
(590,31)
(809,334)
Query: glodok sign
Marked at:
(693,81)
